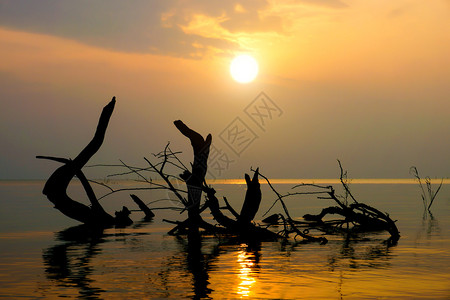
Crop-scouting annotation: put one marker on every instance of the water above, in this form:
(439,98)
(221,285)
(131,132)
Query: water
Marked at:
(41,257)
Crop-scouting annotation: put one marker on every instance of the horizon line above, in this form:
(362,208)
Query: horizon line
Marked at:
(272,181)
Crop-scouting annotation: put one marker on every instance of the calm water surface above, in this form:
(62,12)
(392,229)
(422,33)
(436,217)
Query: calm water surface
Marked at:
(43,255)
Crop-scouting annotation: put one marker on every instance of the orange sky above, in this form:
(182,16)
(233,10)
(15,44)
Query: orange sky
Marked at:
(363,81)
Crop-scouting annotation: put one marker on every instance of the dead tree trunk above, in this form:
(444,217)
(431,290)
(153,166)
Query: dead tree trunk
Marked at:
(56,186)
(194,180)
(252,199)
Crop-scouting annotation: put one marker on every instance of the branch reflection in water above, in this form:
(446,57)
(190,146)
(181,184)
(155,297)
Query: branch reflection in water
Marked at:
(69,264)
(430,224)
(200,267)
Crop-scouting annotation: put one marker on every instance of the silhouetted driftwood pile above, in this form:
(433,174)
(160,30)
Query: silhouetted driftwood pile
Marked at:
(354,217)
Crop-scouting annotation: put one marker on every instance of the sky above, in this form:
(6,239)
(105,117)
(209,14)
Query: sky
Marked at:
(365,82)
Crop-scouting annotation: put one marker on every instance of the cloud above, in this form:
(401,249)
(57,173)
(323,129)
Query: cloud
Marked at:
(163,27)
(400,11)
(191,29)
(109,24)
(329,3)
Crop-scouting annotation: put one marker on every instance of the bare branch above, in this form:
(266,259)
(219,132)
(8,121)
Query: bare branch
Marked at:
(170,185)
(344,184)
(289,219)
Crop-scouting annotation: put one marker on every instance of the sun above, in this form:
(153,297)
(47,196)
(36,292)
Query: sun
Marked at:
(244,68)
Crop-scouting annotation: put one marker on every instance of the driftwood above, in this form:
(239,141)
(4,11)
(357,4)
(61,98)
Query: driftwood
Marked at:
(148,213)
(247,230)
(56,186)
(242,226)
(194,179)
(356,216)
(196,184)
(227,225)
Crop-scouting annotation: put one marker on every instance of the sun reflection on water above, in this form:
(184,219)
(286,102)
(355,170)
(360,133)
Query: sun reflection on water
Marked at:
(248,266)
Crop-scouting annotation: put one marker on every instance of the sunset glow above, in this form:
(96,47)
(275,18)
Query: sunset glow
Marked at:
(371,64)
(251,149)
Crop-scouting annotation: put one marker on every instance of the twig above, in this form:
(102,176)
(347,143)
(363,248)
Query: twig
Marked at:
(344,184)
(435,194)
(170,185)
(431,195)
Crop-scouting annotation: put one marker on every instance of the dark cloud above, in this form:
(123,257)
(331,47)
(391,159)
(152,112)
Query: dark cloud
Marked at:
(135,26)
